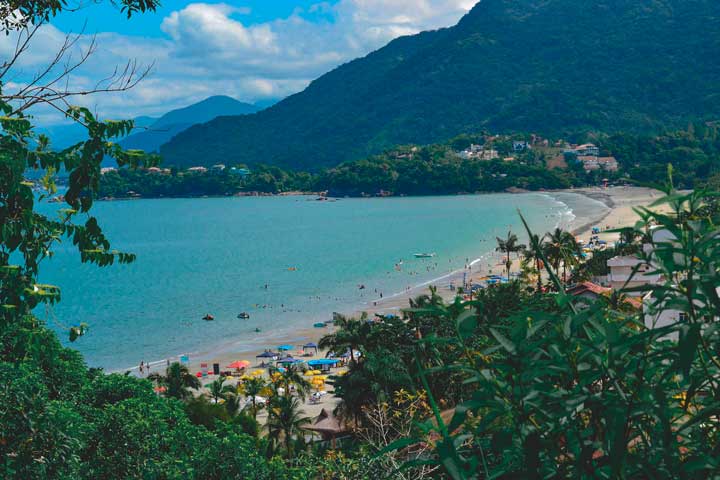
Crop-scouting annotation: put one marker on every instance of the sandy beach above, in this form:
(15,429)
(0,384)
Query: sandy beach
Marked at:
(619,200)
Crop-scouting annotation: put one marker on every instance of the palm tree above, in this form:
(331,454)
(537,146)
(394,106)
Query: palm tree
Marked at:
(509,245)
(347,336)
(285,420)
(561,247)
(177,380)
(252,387)
(534,253)
(292,376)
(219,390)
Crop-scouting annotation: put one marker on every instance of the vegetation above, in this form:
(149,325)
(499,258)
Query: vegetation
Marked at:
(438,169)
(538,385)
(505,67)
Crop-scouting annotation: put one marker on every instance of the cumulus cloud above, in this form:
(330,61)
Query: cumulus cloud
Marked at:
(211,48)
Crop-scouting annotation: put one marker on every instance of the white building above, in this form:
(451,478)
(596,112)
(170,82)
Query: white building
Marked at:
(621,274)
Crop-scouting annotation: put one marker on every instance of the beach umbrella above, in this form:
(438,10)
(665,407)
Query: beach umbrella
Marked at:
(239,364)
(267,355)
(284,348)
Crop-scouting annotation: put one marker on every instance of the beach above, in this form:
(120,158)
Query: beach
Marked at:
(619,203)
(619,200)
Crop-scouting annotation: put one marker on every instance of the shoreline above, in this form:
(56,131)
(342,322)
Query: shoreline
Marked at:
(487,262)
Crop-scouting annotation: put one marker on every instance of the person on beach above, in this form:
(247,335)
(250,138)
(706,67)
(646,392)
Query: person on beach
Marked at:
(142,368)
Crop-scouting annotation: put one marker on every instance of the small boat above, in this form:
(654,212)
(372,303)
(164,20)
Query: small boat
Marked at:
(424,255)
(208,317)
(243,315)
(319,325)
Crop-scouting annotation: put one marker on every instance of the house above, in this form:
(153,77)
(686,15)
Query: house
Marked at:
(592,292)
(105,170)
(197,169)
(218,168)
(243,172)
(591,163)
(480,152)
(586,149)
(621,273)
(519,146)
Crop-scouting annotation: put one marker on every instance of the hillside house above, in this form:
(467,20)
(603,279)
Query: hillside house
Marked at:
(591,163)
(479,152)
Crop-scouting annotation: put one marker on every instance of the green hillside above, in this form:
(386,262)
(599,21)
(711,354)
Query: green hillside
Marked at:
(550,66)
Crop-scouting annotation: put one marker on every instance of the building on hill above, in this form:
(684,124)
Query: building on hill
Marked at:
(520,146)
(197,169)
(479,152)
(591,163)
(584,150)
(621,273)
(242,172)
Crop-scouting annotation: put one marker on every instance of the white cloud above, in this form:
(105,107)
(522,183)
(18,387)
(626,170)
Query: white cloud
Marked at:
(209,50)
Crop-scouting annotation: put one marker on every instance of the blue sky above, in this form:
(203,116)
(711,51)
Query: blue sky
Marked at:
(251,50)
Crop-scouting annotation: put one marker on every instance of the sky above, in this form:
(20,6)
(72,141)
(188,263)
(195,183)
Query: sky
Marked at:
(253,50)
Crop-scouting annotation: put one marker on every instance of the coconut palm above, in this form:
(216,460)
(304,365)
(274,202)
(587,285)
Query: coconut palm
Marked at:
(348,336)
(177,380)
(561,248)
(252,387)
(290,375)
(285,421)
(509,245)
(534,253)
(218,390)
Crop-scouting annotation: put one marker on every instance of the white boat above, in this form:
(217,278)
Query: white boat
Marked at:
(424,255)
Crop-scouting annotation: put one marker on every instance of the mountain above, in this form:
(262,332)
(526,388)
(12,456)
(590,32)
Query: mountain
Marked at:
(175,121)
(67,134)
(545,66)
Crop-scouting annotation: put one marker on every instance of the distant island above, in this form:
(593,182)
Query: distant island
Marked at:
(465,164)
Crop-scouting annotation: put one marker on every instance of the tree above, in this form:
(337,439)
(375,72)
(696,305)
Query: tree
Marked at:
(561,248)
(177,380)
(535,253)
(285,420)
(509,245)
(347,337)
(252,387)
(291,376)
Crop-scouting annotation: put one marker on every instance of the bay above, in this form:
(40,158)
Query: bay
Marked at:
(216,255)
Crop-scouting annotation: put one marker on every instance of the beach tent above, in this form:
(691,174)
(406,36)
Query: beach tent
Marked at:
(323,363)
(310,346)
(289,360)
(284,348)
(267,354)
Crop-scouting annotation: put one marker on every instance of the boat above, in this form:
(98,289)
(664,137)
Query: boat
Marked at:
(424,255)
(208,317)
(319,325)
(243,315)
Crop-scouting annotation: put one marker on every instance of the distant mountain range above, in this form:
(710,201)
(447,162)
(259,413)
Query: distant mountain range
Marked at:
(175,121)
(153,132)
(545,66)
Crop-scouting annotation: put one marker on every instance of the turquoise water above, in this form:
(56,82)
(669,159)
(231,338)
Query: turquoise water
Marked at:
(215,255)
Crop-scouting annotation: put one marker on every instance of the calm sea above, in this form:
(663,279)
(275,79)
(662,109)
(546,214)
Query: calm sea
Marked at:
(217,255)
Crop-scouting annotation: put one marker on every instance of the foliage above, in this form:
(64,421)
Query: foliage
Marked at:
(598,391)
(551,67)
(177,381)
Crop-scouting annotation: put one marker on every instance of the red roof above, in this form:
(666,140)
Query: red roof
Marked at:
(599,290)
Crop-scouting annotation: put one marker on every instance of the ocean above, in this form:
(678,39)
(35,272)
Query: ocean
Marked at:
(287,261)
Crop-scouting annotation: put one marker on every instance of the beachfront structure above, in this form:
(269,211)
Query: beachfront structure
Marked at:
(328,426)
(197,169)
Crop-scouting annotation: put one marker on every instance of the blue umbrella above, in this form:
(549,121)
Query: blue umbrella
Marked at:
(267,355)
(282,348)
(310,345)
